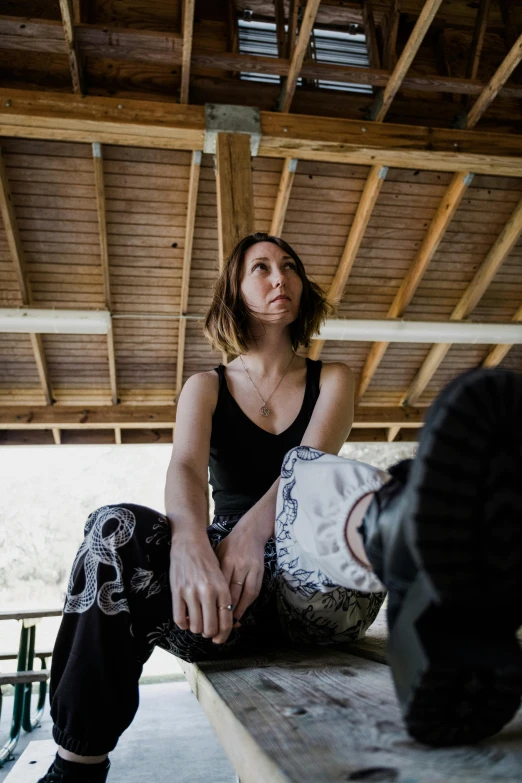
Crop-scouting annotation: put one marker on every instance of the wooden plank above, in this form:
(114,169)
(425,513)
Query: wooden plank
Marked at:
(362,217)
(430,244)
(97,158)
(57,436)
(391,28)
(188,31)
(305,31)
(233,191)
(468,301)
(33,762)
(283,196)
(279,14)
(27,114)
(17,678)
(415,40)
(195,170)
(293,18)
(477,42)
(302,716)
(75,62)
(392,433)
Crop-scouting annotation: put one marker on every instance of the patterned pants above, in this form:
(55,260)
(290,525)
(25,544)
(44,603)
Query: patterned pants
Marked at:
(119,607)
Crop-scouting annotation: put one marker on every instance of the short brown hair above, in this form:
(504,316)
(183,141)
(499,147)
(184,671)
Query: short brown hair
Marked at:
(226,324)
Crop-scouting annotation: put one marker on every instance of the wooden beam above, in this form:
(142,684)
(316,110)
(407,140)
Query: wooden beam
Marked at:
(392,432)
(100,417)
(18,258)
(293,19)
(434,236)
(117,436)
(424,20)
(195,169)
(279,14)
(188,33)
(234,191)
(370,32)
(369,196)
(477,43)
(499,352)
(513,59)
(283,196)
(75,62)
(305,31)
(158,125)
(57,436)
(390,38)
(79,11)
(155,48)
(97,157)
(497,255)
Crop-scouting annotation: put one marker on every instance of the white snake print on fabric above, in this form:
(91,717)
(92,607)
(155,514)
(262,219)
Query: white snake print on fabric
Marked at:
(96,549)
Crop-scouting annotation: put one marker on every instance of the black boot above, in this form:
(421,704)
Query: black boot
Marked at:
(62,771)
(445,537)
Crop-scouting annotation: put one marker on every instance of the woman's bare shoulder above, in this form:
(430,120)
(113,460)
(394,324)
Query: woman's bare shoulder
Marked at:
(336,371)
(202,386)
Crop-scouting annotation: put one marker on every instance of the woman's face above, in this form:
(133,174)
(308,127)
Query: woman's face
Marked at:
(270,284)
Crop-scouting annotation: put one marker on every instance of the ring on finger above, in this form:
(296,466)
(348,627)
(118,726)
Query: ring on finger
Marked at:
(238,583)
(230,607)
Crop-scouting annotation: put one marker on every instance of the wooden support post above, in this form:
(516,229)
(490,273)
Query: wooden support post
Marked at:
(117,436)
(18,258)
(469,300)
(75,62)
(195,169)
(234,191)
(57,436)
(367,202)
(188,33)
(477,42)
(305,31)
(389,58)
(279,13)
(283,196)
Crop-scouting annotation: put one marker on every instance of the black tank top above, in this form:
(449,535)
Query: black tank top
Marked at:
(245,460)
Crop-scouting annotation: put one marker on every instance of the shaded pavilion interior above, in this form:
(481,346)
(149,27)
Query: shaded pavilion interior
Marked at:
(402,193)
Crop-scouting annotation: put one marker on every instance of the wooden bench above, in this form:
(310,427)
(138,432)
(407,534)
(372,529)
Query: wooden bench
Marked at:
(24,676)
(325,716)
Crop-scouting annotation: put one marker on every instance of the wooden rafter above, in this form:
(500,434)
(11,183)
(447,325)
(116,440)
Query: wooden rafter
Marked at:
(279,13)
(499,352)
(416,38)
(74,417)
(234,191)
(18,259)
(293,20)
(367,202)
(390,38)
(97,158)
(305,31)
(477,42)
(283,196)
(195,169)
(188,33)
(436,231)
(73,52)
(490,92)
(469,300)
(392,432)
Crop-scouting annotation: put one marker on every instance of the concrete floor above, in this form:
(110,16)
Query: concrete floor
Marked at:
(169,740)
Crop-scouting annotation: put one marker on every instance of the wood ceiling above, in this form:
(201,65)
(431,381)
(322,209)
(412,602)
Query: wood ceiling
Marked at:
(109,202)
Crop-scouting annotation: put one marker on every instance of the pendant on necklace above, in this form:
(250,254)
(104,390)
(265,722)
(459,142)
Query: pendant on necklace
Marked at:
(265,411)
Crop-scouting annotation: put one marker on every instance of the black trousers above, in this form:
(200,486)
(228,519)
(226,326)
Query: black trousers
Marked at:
(118,608)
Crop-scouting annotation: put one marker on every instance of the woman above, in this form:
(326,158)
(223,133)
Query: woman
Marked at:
(216,589)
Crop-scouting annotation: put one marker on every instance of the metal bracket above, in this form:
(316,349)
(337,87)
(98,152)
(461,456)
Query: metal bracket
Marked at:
(221,118)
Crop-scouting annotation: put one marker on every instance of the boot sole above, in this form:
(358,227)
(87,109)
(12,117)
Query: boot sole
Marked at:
(456,661)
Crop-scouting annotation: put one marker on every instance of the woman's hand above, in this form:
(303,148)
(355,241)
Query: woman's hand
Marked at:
(200,590)
(241,556)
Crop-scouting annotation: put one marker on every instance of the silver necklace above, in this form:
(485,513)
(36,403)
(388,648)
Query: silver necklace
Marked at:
(265,410)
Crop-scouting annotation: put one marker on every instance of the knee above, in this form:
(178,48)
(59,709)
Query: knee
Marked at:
(129,517)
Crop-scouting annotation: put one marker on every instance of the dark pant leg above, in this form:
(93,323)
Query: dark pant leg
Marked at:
(118,608)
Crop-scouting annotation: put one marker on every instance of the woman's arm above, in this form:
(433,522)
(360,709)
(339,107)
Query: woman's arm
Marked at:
(197,582)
